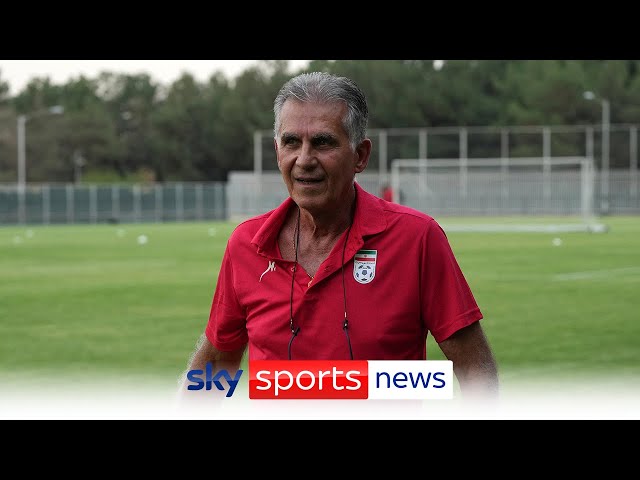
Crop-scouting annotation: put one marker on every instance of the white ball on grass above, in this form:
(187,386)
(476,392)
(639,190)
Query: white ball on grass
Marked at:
(142,239)
(556,242)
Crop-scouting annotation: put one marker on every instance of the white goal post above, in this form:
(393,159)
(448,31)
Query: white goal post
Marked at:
(500,194)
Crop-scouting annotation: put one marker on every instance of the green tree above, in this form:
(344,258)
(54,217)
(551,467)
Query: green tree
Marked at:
(4,91)
(182,137)
(131,99)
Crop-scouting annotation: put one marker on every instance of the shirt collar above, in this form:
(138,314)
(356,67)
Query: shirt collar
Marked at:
(368,219)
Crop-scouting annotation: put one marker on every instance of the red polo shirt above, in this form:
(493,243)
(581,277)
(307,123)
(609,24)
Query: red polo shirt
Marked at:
(401,277)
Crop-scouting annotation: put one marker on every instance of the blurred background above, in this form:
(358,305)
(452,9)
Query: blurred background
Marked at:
(118,191)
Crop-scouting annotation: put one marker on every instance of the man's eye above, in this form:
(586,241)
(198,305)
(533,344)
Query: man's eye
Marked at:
(322,142)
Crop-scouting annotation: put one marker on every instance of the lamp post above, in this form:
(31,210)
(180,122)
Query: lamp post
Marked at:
(604,169)
(22,156)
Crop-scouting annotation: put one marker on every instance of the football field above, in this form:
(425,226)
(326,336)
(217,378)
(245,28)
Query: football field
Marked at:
(130,301)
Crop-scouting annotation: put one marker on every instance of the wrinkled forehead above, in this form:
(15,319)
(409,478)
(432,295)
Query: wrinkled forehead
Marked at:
(298,117)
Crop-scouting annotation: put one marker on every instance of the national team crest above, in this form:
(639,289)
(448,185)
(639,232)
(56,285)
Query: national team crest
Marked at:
(364,265)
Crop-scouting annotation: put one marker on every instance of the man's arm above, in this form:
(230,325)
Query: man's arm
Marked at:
(473,362)
(205,353)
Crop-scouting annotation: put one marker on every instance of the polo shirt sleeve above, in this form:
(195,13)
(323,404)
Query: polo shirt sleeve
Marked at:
(226,328)
(448,303)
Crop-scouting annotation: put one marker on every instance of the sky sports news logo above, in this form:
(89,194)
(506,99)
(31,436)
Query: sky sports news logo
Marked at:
(328,379)
(222,380)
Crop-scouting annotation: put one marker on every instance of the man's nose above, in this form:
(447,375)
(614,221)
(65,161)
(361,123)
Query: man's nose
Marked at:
(307,156)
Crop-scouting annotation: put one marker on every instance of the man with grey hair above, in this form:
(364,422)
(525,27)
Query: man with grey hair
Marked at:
(335,272)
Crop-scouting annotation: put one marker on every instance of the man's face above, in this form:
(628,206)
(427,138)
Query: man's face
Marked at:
(314,156)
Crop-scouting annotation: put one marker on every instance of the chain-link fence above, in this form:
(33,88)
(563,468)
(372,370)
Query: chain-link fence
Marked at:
(56,204)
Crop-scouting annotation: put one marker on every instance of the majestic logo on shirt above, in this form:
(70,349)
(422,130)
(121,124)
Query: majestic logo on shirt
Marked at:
(364,265)
(270,268)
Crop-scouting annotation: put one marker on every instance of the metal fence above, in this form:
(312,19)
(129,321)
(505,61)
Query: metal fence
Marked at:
(251,194)
(613,147)
(244,195)
(69,203)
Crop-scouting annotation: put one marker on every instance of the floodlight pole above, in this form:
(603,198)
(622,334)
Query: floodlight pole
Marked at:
(604,167)
(605,156)
(22,158)
(22,120)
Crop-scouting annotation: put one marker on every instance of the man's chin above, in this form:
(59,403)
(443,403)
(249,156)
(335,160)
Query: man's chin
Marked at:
(310,196)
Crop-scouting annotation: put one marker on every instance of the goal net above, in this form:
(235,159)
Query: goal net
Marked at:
(545,194)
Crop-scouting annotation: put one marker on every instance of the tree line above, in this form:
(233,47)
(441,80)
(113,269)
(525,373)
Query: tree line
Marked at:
(119,127)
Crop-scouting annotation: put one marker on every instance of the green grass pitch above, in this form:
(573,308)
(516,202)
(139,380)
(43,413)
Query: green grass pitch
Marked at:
(91,300)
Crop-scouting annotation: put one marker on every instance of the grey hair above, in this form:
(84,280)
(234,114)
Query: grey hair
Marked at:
(324,87)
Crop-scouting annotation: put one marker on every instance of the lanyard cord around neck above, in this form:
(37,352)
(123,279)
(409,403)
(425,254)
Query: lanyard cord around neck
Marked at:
(345,325)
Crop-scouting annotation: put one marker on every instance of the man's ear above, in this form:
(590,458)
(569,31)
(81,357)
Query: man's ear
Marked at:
(275,146)
(364,152)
